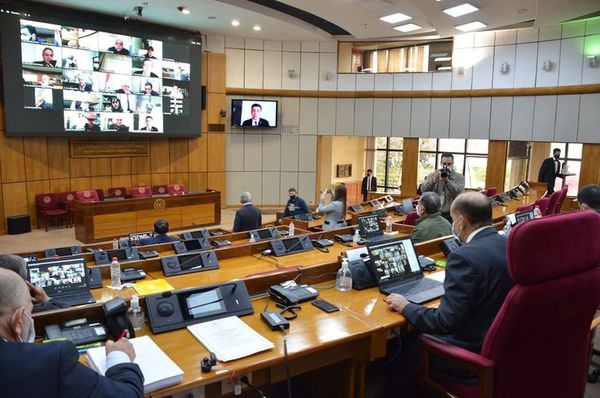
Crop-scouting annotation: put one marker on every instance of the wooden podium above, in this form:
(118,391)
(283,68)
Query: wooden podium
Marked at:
(98,221)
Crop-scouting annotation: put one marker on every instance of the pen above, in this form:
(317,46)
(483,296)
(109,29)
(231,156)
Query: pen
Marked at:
(123,334)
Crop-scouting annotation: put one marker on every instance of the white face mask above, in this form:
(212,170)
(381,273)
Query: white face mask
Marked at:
(455,233)
(31,333)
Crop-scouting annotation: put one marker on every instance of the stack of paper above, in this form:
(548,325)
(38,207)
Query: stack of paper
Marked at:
(229,338)
(158,369)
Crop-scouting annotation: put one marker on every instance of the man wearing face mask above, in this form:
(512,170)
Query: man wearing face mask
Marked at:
(446,182)
(549,170)
(295,204)
(430,224)
(476,283)
(51,370)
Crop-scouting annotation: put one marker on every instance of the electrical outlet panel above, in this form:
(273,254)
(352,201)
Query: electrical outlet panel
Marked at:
(234,386)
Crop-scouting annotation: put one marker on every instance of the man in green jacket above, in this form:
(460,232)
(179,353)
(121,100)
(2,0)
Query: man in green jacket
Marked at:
(430,224)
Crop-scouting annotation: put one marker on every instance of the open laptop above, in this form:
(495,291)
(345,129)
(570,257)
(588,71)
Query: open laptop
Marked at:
(63,280)
(370,229)
(137,237)
(520,217)
(396,268)
(405,208)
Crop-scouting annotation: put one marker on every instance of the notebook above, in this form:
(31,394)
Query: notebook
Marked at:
(62,280)
(396,269)
(158,369)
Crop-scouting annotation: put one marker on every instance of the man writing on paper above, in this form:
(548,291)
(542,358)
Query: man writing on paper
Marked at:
(29,370)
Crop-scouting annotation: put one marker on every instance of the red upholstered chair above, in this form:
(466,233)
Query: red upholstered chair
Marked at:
(553,201)
(561,198)
(491,191)
(141,192)
(543,205)
(176,189)
(411,218)
(100,193)
(539,342)
(87,196)
(525,208)
(66,200)
(48,208)
(159,190)
(117,192)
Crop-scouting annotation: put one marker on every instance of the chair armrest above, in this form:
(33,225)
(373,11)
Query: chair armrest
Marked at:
(481,366)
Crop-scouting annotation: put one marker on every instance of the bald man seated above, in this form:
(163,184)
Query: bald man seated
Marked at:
(50,370)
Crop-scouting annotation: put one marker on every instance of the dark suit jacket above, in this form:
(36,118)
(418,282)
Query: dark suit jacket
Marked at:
(363,187)
(42,63)
(53,370)
(151,129)
(261,123)
(156,239)
(86,87)
(247,218)
(547,170)
(476,284)
(123,51)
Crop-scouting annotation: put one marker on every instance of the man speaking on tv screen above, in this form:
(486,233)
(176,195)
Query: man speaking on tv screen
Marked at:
(255,120)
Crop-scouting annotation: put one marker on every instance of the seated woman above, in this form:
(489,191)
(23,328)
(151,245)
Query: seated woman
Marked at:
(334,211)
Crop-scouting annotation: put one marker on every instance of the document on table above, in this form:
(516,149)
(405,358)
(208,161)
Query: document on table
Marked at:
(437,276)
(229,338)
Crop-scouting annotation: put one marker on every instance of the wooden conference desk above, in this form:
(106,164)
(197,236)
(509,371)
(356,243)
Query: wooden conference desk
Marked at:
(97,221)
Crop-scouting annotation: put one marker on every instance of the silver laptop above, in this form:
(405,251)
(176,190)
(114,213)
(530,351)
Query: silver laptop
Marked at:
(66,280)
(396,268)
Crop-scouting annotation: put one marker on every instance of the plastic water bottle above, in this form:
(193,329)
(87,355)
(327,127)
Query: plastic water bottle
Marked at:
(507,227)
(291,228)
(135,313)
(537,213)
(356,237)
(115,244)
(388,224)
(252,239)
(343,282)
(115,273)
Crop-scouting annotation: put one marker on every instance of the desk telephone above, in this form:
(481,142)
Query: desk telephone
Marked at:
(322,243)
(79,331)
(293,294)
(356,208)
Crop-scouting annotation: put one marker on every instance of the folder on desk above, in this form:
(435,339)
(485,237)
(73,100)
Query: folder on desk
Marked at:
(152,286)
(158,369)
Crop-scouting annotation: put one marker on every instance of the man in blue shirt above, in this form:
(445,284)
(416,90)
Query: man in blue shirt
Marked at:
(161,227)
(295,204)
(589,197)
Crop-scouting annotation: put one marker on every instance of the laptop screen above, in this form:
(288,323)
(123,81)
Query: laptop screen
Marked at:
(407,205)
(393,260)
(369,225)
(520,217)
(59,276)
(136,238)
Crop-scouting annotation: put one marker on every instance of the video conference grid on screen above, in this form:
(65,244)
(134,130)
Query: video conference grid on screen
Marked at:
(47,276)
(394,259)
(109,82)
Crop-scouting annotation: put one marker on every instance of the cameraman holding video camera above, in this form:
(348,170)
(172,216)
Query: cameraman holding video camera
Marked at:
(446,182)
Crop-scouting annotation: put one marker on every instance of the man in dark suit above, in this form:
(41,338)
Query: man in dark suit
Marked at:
(149,126)
(248,217)
(48,58)
(476,283)
(549,170)
(161,227)
(52,370)
(256,120)
(369,183)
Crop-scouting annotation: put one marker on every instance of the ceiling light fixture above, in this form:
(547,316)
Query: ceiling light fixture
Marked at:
(460,10)
(395,18)
(235,22)
(443,68)
(471,26)
(184,10)
(409,27)
(257,28)
(442,59)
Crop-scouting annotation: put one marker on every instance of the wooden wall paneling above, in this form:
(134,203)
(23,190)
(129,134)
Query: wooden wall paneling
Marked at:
(178,158)
(198,182)
(410,154)
(215,102)
(216,152)
(140,165)
(496,164)
(100,166)
(58,157)
(2,218)
(159,155)
(81,183)
(121,181)
(141,179)
(216,180)
(35,152)
(13,160)
(215,67)
(160,179)
(198,153)
(590,159)
(101,182)
(60,185)
(34,188)
(15,198)
(120,166)
(79,167)
(179,178)
(539,151)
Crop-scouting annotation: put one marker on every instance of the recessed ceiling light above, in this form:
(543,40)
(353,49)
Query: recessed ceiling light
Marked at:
(471,26)
(235,22)
(461,10)
(395,18)
(409,27)
(256,28)
(442,59)
(184,10)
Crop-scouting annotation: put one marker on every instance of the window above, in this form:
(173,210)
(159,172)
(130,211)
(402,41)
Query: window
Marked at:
(470,158)
(517,164)
(388,163)
(571,165)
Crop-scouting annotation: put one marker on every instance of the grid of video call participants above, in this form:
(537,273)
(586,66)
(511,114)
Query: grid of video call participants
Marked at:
(57,275)
(108,82)
(390,261)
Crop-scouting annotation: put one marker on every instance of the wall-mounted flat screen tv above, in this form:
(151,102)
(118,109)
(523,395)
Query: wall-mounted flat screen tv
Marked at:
(77,77)
(253,113)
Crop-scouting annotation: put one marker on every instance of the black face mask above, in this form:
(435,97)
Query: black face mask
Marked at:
(556,156)
(292,197)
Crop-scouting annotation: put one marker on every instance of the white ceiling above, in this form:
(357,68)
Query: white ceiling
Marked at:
(359,17)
